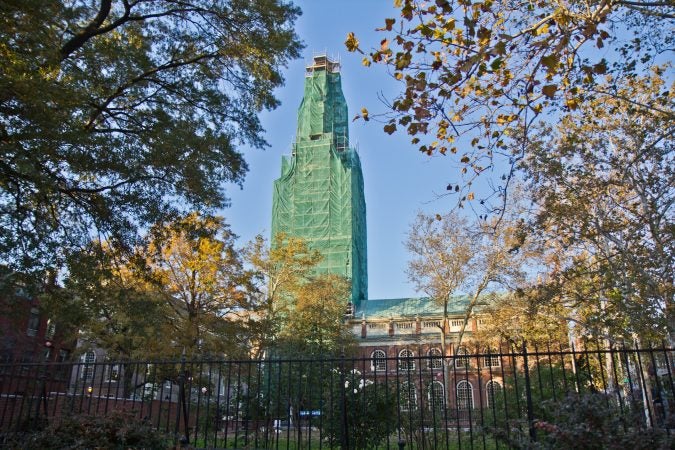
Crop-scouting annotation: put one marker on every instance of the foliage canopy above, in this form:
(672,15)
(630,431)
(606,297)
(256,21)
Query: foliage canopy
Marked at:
(476,76)
(115,114)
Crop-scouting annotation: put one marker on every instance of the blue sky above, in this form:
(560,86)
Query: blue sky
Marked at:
(399,181)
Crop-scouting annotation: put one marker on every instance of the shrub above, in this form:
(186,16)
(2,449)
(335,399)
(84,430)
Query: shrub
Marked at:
(589,421)
(370,412)
(118,430)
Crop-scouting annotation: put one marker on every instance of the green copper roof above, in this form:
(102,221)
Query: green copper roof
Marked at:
(409,307)
(319,195)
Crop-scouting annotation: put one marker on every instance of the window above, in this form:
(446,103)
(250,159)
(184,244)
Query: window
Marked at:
(491,358)
(113,372)
(33,322)
(404,325)
(435,359)
(64,355)
(493,390)
(87,371)
(464,395)
(432,324)
(51,330)
(456,323)
(405,360)
(462,358)
(408,396)
(379,363)
(436,395)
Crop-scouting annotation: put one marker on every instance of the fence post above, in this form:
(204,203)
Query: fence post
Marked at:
(184,440)
(42,396)
(528,394)
(344,438)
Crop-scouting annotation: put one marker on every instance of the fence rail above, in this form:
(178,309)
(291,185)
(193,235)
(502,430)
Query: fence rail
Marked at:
(496,398)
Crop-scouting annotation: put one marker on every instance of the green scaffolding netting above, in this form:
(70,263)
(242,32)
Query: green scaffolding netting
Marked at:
(319,196)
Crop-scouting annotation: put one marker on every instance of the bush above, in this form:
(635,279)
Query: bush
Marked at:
(118,430)
(370,412)
(589,421)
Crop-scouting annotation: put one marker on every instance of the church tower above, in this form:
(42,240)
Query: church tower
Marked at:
(319,196)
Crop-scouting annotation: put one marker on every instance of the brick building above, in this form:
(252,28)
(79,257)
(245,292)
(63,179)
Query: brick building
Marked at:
(28,336)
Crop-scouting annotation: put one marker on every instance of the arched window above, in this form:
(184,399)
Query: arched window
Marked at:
(494,391)
(464,395)
(405,360)
(87,371)
(462,358)
(491,358)
(436,395)
(379,361)
(435,359)
(408,396)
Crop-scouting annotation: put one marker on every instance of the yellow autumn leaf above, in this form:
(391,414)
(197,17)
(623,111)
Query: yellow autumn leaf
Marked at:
(541,30)
(351,42)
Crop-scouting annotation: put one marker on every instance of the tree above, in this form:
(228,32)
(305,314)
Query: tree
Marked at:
(524,315)
(199,275)
(604,176)
(107,303)
(114,114)
(297,314)
(488,71)
(186,289)
(452,255)
(441,252)
(317,324)
(279,271)
(522,89)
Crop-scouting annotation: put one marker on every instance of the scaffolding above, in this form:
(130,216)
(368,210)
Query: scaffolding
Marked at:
(319,195)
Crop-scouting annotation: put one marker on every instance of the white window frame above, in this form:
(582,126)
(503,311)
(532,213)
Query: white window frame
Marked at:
(89,360)
(405,360)
(408,396)
(464,393)
(462,360)
(491,358)
(378,361)
(436,395)
(435,358)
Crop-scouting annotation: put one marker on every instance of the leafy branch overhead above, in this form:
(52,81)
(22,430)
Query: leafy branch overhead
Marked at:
(486,71)
(115,114)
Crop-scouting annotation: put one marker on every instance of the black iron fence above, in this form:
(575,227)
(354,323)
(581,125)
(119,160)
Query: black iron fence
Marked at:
(499,397)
